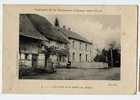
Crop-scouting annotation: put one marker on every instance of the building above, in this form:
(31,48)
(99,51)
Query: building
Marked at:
(30,40)
(80,48)
(45,45)
(57,46)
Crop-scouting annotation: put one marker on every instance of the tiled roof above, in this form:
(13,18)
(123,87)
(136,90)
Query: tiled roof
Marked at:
(27,29)
(73,35)
(39,27)
(46,28)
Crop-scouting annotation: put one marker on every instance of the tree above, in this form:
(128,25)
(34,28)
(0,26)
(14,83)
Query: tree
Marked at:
(56,23)
(110,56)
(101,56)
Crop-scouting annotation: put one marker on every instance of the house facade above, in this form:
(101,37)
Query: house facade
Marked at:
(80,49)
(57,47)
(30,50)
(30,53)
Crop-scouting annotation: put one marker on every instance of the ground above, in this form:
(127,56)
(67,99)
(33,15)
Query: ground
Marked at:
(79,74)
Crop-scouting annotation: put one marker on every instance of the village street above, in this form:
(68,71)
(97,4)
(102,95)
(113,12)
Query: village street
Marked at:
(45,46)
(79,74)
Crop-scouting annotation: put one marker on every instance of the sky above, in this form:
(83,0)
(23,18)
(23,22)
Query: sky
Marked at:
(101,30)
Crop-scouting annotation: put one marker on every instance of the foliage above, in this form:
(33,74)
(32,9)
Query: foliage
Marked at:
(110,56)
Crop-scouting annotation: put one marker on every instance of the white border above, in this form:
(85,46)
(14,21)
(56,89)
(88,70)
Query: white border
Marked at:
(62,97)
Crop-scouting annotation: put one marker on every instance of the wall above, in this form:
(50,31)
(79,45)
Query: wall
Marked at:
(28,47)
(78,48)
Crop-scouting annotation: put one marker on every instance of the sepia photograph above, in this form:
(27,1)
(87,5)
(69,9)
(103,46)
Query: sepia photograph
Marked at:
(69,46)
(70,49)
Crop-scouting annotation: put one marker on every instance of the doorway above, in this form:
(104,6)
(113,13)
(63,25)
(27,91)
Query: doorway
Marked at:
(80,57)
(34,60)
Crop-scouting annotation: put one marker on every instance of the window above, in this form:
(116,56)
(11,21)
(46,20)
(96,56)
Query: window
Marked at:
(26,56)
(60,58)
(85,46)
(73,43)
(86,57)
(73,56)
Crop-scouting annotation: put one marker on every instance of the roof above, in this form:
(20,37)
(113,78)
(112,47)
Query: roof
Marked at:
(73,35)
(27,29)
(46,28)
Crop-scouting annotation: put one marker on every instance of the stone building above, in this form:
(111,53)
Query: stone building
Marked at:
(30,50)
(80,48)
(57,46)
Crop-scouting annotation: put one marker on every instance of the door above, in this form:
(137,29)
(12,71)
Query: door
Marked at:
(34,60)
(80,58)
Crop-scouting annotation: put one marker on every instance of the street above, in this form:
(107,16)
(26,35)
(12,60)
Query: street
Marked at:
(79,74)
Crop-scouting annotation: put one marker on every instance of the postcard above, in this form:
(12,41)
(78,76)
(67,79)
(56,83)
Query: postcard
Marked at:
(70,49)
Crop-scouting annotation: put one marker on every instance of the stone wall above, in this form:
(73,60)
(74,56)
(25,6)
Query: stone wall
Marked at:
(89,65)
